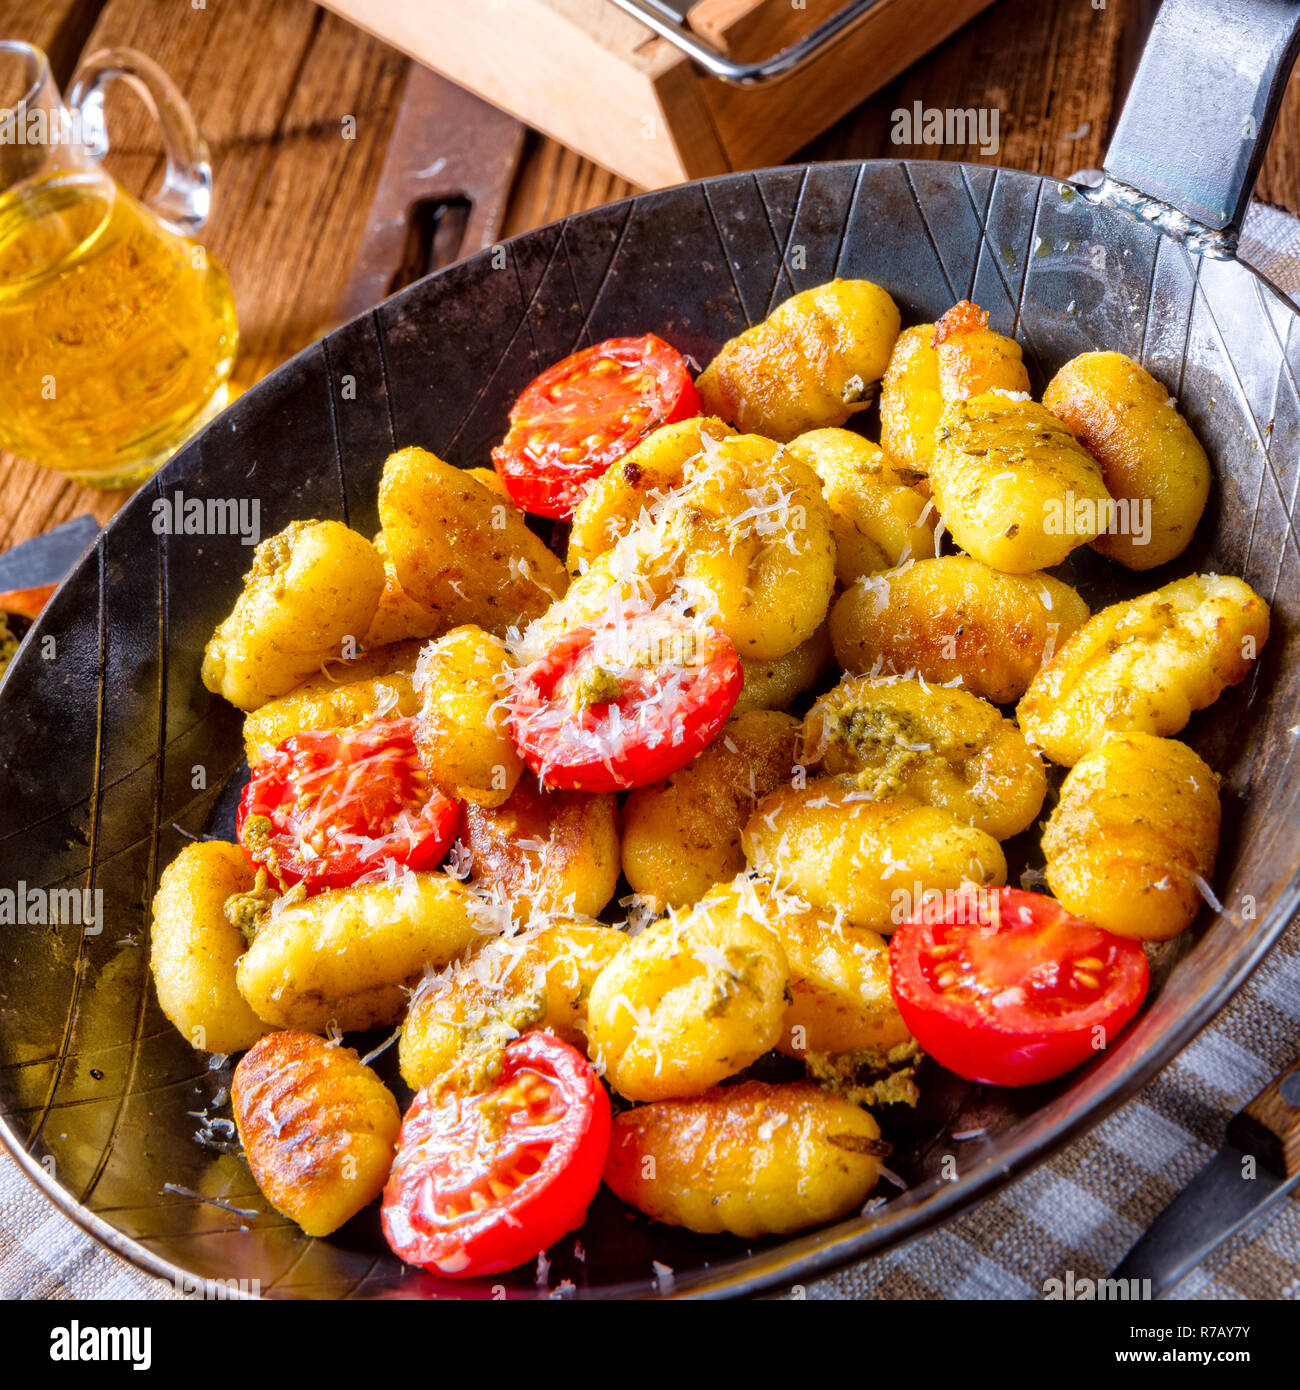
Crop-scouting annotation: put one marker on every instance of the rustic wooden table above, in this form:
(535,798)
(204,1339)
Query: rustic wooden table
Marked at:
(271,82)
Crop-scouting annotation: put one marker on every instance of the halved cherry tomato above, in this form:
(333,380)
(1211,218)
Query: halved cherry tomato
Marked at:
(484,1182)
(330,807)
(586,412)
(1006,987)
(625,704)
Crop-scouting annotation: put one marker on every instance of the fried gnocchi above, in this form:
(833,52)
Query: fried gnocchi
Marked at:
(1144,666)
(774,684)
(682,835)
(1013,485)
(194,948)
(809,365)
(753,1159)
(954,620)
(693,999)
(840,1000)
(346,957)
(840,850)
(877,521)
(645,475)
(461,1018)
(946,747)
(1153,465)
(745,542)
(755,537)
(545,851)
(399,617)
(462,734)
(460,549)
(319,1128)
(934,365)
(311,587)
(1133,838)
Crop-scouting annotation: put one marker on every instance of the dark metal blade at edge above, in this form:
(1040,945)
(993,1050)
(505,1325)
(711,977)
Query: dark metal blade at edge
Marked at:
(1217,1203)
(46,558)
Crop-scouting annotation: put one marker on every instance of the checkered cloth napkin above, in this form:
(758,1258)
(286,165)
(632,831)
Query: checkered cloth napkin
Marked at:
(1080,1211)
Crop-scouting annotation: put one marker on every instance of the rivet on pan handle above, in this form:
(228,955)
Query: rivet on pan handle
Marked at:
(1194,128)
(667,22)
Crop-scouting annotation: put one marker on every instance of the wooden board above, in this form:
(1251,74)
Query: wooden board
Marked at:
(590,75)
(580,70)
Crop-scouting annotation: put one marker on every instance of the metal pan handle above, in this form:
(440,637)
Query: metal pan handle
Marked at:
(1193,131)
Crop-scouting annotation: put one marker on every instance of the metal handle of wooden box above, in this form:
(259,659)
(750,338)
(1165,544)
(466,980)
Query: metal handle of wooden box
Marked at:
(668,23)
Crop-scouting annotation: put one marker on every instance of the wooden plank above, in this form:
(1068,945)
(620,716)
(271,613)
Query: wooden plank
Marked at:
(60,27)
(1279,180)
(555,181)
(291,190)
(1050,72)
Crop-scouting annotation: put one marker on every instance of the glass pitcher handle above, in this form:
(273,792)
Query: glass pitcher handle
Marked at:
(185,198)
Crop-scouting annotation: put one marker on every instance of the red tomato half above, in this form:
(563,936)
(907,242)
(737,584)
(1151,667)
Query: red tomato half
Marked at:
(624,705)
(586,412)
(486,1182)
(1008,988)
(332,806)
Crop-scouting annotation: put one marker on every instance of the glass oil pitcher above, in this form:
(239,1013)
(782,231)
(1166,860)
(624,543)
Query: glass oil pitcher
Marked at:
(117,329)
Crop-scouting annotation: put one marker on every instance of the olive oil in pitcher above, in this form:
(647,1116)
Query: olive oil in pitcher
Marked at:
(117,334)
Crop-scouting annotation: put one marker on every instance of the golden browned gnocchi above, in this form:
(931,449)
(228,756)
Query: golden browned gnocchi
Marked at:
(1145,665)
(661,462)
(754,535)
(829,843)
(745,542)
(194,948)
(1009,480)
(346,957)
(459,1023)
(463,733)
(1133,838)
(563,962)
(462,1017)
(693,999)
(753,1159)
(682,835)
(840,1000)
(774,684)
(1153,464)
(399,616)
(877,521)
(955,620)
(312,587)
(545,851)
(319,1128)
(911,401)
(973,359)
(376,684)
(944,746)
(935,364)
(460,549)
(809,364)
